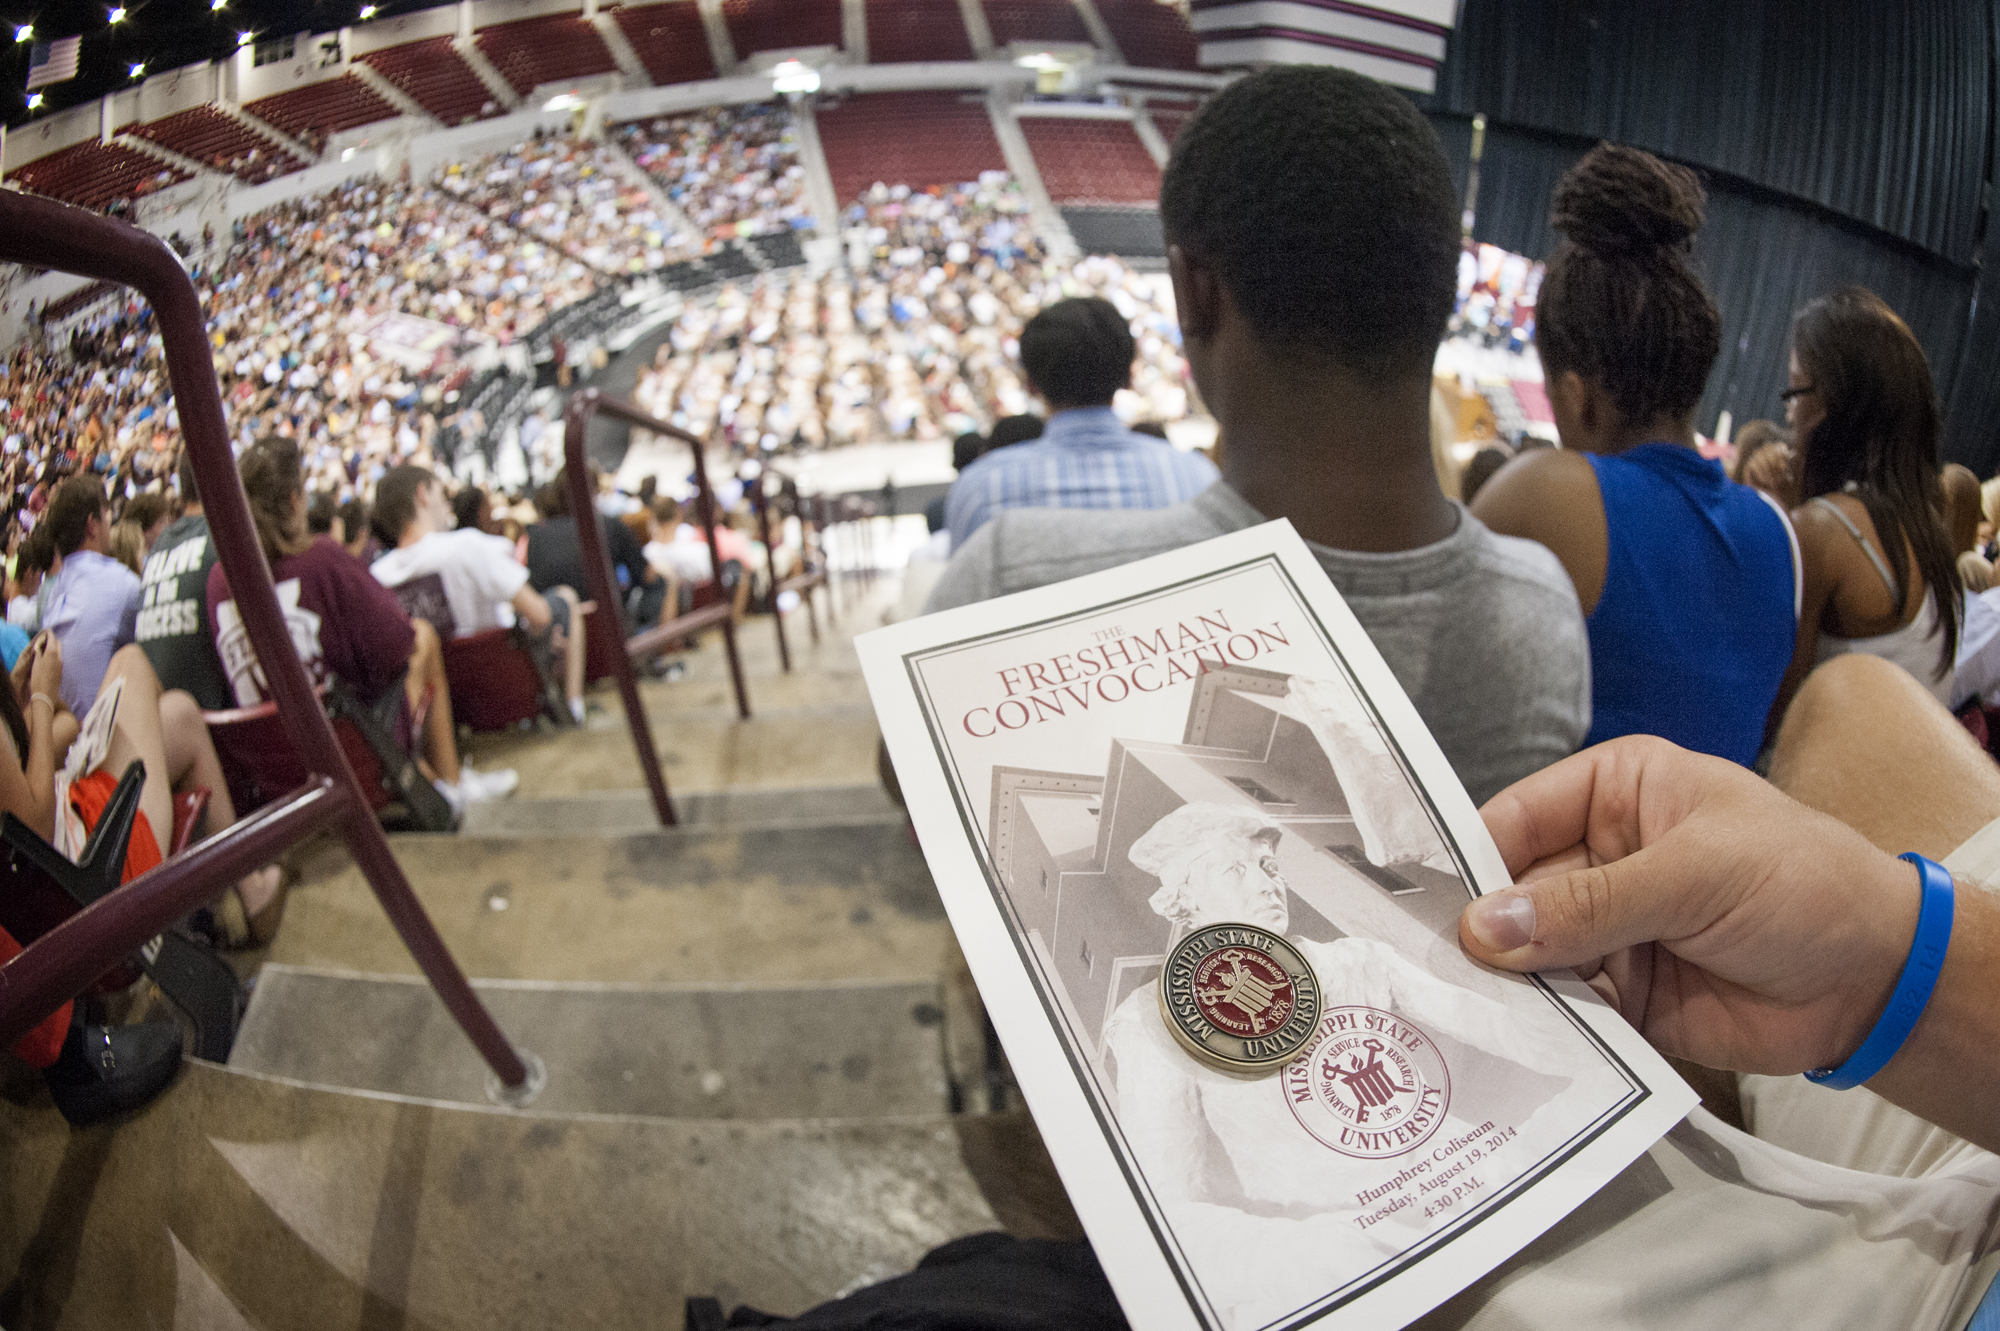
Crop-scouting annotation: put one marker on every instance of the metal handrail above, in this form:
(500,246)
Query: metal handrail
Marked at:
(604,583)
(47,234)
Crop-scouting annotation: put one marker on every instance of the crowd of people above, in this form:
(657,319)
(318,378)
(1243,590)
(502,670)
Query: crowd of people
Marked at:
(731,172)
(922,345)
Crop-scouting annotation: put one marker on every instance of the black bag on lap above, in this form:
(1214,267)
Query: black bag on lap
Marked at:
(983,1282)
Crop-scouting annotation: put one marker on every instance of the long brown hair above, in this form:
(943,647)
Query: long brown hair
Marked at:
(1880,432)
(273,480)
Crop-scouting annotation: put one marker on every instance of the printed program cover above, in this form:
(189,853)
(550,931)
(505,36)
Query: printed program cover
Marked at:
(1098,768)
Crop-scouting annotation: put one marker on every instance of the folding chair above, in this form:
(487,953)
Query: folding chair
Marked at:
(496,681)
(43,889)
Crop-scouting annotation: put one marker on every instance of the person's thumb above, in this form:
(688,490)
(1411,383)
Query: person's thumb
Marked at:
(1574,918)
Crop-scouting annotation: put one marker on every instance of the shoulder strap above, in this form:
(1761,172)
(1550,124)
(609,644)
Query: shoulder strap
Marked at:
(1875,558)
(1798,563)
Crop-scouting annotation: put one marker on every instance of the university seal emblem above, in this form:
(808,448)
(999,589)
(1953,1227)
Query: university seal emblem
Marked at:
(1370,1085)
(1239,998)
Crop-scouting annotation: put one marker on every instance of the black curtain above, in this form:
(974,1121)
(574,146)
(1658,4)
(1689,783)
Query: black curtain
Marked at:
(1875,111)
(1844,143)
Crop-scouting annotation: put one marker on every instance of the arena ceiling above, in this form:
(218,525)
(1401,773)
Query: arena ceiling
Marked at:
(158,35)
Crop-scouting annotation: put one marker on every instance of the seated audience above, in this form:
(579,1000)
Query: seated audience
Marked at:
(1077,355)
(1311,321)
(1879,573)
(1688,581)
(32,567)
(174,628)
(1963,515)
(344,624)
(1480,468)
(150,512)
(93,605)
(1764,461)
(484,585)
(473,507)
(128,544)
(555,556)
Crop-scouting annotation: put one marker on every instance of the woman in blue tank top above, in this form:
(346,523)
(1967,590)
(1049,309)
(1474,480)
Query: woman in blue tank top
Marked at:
(1688,581)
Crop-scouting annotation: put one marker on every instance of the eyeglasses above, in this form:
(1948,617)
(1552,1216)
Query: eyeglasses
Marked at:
(1788,394)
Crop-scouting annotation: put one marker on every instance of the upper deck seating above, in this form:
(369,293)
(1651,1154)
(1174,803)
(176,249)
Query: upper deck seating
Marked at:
(216,140)
(1035,21)
(549,49)
(95,175)
(437,77)
(902,30)
(1150,35)
(911,138)
(322,108)
(777,25)
(669,40)
(1092,161)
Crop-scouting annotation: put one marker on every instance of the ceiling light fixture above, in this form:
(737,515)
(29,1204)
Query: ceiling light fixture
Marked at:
(790,77)
(118,14)
(25,33)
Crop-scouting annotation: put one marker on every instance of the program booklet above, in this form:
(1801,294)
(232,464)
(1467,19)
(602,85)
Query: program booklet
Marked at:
(1207,865)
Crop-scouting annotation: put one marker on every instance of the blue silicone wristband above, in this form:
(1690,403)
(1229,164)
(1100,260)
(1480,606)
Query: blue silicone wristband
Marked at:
(1913,987)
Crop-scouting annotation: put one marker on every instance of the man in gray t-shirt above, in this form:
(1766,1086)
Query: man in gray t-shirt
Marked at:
(1482,631)
(1313,240)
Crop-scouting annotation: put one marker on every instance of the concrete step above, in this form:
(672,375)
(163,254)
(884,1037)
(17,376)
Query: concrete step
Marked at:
(863,1049)
(630,812)
(242,1200)
(805,904)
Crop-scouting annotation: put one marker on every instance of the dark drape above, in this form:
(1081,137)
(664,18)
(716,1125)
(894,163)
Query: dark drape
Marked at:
(1839,143)
(1762,256)
(1875,111)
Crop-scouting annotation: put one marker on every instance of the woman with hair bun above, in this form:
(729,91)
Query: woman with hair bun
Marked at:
(1690,583)
(1879,576)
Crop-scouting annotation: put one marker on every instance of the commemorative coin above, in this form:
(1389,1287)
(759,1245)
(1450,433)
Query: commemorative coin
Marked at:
(1239,998)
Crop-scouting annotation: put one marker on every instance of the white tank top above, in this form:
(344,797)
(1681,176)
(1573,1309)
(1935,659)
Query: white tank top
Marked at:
(1914,646)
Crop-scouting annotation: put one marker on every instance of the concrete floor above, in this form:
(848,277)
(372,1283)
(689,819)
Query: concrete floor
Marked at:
(789,925)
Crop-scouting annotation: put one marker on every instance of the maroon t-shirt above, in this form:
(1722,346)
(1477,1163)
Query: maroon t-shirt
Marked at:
(342,621)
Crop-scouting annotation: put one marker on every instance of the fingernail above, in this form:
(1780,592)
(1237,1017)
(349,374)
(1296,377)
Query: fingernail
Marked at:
(1503,921)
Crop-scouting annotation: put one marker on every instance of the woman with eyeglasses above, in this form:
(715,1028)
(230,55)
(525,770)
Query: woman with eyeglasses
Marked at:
(1688,581)
(1879,576)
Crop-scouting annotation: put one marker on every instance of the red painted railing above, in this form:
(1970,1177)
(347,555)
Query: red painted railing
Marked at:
(50,970)
(604,583)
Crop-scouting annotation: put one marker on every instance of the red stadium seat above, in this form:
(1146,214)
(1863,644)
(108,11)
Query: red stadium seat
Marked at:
(96,175)
(216,140)
(777,25)
(908,138)
(495,681)
(548,49)
(1092,161)
(437,78)
(328,107)
(904,30)
(669,39)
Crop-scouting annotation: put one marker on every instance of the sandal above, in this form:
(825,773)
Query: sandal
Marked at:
(240,929)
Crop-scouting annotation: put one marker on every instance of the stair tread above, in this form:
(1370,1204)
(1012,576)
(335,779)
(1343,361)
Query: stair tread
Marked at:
(309,1207)
(849,1051)
(826,902)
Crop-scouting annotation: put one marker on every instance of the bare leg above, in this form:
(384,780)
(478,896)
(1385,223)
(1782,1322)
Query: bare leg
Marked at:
(440,742)
(573,649)
(166,732)
(1865,742)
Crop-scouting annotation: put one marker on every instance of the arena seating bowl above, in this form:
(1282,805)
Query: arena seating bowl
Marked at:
(905,30)
(548,49)
(778,25)
(915,138)
(1092,161)
(95,175)
(1035,21)
(437,78)
(1150,35)
(215,140)
(669,40)
(327,107)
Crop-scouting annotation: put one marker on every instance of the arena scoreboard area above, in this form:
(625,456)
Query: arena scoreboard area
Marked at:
(1399,42)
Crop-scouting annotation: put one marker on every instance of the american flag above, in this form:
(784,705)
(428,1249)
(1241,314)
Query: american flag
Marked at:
(52,62)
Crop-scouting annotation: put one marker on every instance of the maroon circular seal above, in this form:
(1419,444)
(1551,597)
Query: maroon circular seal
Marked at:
(1370,1085)
(1239,998)
(1244,991)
